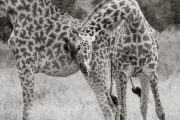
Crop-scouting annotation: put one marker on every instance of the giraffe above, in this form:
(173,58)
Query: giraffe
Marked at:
(37,42)
(121,32)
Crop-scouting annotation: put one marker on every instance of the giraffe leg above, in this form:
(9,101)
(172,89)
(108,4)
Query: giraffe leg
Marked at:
(26,74)
(158,105)
(144,95)
(121,85)
(113,97)
(152,76)
(99,87)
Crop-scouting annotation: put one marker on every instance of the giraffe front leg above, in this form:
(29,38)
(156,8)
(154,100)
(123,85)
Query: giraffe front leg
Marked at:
(121,85)
(158,105)
(145,95)
(26,75)
(98,85)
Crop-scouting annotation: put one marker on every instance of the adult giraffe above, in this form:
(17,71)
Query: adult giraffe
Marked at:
(39,28)
(133,49)
(37,42)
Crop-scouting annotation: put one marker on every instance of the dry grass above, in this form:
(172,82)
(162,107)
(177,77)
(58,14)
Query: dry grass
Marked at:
(70,98)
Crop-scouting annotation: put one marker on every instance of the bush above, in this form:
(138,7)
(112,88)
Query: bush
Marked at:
(169,57)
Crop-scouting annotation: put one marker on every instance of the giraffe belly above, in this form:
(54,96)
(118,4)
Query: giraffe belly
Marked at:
(58,67)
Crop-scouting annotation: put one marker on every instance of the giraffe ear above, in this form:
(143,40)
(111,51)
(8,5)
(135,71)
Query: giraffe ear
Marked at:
(74,35)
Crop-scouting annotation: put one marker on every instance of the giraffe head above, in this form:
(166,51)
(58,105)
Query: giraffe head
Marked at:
(81,49)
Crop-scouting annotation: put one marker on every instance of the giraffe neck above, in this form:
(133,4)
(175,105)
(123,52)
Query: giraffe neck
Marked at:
(98,31)
(109,18)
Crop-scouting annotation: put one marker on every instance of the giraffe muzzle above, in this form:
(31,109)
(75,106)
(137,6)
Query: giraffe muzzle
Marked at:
(85,68)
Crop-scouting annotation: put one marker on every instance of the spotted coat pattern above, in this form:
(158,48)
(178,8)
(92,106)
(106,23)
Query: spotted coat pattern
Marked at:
(121,33)
(37,42)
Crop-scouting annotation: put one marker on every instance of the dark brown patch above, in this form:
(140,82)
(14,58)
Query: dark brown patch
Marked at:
(146,37)
(114,6)
(134,49)
(30,29)
(139,39)
(30,46)
(127,39)
(34,7)
(142,30)
(39,38)
(134,38)
(49,26)
(23,34)
(142,61)
(127,9)
(55,65)
(58,47)
(148,45)
(11,11)
(53,36)
(20,42)
(49,54)
(61,35)
(58,28)
(24,6)
(127,49)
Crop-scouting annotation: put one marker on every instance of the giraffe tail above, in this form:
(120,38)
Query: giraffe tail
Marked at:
(136,90)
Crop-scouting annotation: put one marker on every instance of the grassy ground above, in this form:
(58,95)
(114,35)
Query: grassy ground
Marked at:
(70,98)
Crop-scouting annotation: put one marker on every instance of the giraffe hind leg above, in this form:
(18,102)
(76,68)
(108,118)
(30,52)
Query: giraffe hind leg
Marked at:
(121,85)
(113,97)
(145,94)
(152,76)
(159,109)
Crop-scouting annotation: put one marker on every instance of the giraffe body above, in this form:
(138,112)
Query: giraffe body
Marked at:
(38,35)
(37,42)
(121,33)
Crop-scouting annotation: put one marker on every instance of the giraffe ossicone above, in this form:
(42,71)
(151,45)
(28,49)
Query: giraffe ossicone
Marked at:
(120,32)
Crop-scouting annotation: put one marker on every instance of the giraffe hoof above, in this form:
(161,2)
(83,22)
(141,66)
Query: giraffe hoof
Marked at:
(137,91)
(163,116)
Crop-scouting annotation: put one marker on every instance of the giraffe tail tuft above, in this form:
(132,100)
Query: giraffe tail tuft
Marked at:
(114,99)
(137,91)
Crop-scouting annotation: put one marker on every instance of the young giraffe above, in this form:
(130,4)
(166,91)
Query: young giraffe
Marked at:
(37,42)
(133,49)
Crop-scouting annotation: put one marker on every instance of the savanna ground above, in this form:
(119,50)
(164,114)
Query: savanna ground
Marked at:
(70,98)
